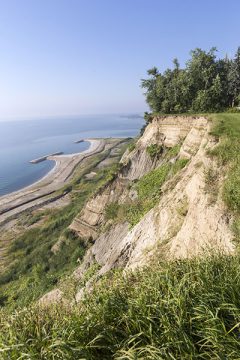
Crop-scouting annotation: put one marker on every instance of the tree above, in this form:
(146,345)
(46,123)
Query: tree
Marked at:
(205,84)
(234,79)
(150,85)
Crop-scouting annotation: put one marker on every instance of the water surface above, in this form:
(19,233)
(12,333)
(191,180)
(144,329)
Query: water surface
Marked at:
(24,140)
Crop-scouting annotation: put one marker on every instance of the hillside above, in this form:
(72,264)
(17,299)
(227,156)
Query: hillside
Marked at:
(157,248)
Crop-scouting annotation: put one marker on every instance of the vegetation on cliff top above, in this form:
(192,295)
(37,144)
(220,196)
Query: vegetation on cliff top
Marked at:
(206,84)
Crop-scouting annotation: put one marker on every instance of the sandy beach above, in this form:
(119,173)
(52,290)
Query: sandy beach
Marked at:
(39,192)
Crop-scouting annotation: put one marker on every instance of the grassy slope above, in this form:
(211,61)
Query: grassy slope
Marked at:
(182,310)
(148,189)
(227,129)
(34,269)
(179,310)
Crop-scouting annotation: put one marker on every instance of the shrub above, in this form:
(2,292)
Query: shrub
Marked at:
(149,190)
(154,150)
(111,211)
(150,184)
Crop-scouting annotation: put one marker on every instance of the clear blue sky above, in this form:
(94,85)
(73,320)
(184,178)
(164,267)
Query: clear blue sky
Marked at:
(62,57)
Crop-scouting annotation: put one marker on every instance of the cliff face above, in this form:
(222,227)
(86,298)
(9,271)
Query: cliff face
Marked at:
(189,217)
(164,132)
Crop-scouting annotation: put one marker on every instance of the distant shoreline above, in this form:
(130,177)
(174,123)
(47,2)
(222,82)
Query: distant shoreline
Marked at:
(51,172)
(22,142)
(39,192)
(45,176)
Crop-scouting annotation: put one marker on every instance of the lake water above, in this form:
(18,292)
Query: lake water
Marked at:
(22,141)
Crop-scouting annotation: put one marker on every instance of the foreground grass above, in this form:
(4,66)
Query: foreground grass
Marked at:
(181,310)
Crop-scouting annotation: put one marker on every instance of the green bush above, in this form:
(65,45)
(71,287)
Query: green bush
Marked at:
(111,211)
(154,150)
(173,151)
(150,184)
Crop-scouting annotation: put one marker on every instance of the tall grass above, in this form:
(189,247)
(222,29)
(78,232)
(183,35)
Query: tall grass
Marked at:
(179,310)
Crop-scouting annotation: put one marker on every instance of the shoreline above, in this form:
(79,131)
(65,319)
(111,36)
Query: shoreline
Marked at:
(42,191)
(50,172)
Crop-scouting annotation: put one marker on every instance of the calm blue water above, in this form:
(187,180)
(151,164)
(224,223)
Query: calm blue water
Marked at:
(22,141)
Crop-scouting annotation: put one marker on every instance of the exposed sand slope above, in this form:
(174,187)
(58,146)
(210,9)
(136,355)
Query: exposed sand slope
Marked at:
(190,216)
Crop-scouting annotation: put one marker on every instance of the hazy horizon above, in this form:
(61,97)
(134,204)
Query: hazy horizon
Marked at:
(79,57)
(70,116)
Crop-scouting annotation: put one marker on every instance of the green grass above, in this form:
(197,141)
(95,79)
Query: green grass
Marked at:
(226,128)
(170,310)
(148,189)
(131,146)
(150,184)
(172,152)
(154,150)
(30,219)
(111,211)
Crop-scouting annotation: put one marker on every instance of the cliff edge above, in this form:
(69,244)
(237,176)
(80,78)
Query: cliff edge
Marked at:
(180,216)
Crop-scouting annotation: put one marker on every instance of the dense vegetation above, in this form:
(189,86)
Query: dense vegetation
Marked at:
(181,310)
(206,84)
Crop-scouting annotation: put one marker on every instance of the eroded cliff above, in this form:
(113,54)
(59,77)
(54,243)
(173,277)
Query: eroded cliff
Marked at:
(186,218)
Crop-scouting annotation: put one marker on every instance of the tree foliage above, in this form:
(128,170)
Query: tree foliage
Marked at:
(206,84)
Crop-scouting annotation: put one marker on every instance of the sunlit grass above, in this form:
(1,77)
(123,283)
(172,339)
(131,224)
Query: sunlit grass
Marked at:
(179,310)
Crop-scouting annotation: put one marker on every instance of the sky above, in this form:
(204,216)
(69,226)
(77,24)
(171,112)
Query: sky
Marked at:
(70,57)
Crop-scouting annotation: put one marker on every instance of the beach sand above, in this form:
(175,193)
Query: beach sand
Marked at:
(39,192)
